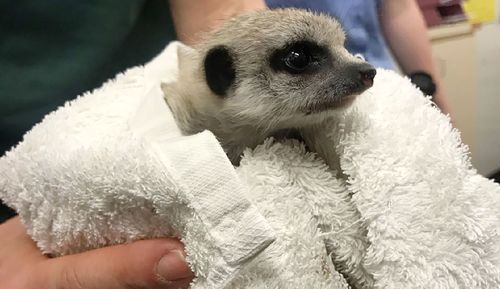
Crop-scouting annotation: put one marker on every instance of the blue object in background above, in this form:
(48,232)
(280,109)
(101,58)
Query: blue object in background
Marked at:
(360,19)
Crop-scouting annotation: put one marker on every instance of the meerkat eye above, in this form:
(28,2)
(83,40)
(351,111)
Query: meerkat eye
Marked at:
(297,59)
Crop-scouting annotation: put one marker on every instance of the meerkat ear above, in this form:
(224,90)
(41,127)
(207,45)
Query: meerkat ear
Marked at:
(185,55)
(220,72)
(186,61)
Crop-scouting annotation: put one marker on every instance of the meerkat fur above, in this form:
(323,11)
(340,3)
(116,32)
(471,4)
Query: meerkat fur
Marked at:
(239,84)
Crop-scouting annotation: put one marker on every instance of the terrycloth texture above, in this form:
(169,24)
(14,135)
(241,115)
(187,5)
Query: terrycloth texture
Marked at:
(432,220)
(112,167)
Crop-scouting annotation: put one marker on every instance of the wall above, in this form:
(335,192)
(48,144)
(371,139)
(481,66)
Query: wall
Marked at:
(487,157)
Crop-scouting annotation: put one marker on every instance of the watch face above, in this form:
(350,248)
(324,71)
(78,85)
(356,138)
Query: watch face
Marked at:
(424,82)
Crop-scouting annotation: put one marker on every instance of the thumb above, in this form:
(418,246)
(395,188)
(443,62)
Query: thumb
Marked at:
(143,264)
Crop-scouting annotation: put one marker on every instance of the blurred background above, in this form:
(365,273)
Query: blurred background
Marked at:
(465,37)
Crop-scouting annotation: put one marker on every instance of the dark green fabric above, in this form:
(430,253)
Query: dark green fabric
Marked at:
(53,50)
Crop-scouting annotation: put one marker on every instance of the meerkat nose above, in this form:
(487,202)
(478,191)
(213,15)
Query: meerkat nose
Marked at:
(367,74)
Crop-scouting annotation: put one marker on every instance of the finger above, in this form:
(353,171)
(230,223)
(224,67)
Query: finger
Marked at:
(143,264)
(16,245)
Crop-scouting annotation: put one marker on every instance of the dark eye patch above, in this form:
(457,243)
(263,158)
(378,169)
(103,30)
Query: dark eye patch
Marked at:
(299,57)
(220,72)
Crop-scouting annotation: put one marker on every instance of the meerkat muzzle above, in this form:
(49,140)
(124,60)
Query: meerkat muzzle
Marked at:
(365,74)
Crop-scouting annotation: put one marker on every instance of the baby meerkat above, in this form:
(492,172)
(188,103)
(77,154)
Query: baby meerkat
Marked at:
(265,72)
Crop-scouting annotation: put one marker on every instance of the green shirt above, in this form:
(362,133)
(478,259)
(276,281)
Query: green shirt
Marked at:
(53,50)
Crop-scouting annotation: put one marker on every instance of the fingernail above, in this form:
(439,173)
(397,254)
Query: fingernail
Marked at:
(173,266)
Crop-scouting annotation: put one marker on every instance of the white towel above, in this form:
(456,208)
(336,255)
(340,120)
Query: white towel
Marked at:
(112,167)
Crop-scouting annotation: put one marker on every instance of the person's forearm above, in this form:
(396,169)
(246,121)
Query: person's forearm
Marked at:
(194,17)
(406,33)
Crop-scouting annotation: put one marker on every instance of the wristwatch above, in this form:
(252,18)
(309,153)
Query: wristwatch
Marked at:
(424,82)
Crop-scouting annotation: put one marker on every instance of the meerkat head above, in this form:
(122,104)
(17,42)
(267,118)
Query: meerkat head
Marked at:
(271,70)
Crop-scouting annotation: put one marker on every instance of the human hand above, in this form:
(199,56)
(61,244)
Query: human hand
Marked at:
(145,264)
